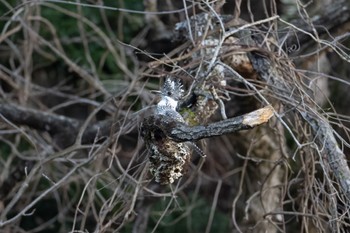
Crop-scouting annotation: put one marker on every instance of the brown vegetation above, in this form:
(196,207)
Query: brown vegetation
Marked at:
(263,114)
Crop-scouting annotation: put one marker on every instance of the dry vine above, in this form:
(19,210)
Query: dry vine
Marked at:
(76,142)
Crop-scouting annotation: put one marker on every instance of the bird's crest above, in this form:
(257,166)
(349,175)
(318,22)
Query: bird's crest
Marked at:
(172,88)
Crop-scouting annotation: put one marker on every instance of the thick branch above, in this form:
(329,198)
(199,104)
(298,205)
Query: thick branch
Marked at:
(336,158)
(181,132)
(67,128)
(332,19)
(322,130)
(37,119)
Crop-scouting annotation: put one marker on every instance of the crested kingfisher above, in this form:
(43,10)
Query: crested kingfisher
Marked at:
(167,157)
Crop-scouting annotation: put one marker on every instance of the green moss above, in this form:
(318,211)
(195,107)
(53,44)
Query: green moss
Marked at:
(189,116)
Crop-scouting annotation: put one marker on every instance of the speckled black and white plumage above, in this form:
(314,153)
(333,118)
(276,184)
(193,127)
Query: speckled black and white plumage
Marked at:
(167,160)
(171,93)
(172,88)
(167,157)
(167,106)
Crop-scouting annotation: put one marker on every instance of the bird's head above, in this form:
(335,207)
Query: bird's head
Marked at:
(172,88)
(170,94)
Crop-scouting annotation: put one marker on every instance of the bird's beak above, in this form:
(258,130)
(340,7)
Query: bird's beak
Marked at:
(156,92)
(157,95)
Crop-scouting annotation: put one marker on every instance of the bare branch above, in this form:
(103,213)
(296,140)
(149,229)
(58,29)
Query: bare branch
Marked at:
(322,130)
(181,132)
(329,146)
(63,126)
(38,120)
(331,20)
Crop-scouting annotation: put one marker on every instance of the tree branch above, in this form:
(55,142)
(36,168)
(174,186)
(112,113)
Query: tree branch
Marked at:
(280,83)
(332,20)
(66,128)
(330,148)
(37,119)
(181,132)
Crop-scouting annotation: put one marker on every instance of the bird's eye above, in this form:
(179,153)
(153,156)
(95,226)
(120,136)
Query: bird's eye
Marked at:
(169,93)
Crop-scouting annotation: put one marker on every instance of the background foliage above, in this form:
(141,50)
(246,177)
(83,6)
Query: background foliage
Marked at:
(94,62)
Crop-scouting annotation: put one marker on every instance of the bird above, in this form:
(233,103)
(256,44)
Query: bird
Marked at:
(167,157)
